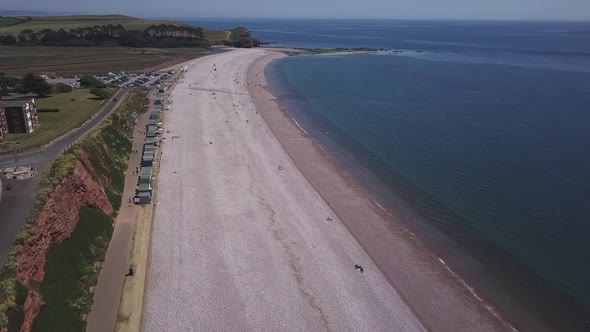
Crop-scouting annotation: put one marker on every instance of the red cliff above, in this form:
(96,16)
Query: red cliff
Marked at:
(56,222)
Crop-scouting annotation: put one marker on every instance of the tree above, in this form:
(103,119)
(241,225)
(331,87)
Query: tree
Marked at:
(63,88)
(101,93)
(88,81)
(42,88)
(36,84)
(8,82)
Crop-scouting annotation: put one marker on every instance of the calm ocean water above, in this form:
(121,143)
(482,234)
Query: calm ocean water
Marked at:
(481,128)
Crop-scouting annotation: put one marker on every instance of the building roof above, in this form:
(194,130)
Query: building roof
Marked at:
(143,187)
(14,103)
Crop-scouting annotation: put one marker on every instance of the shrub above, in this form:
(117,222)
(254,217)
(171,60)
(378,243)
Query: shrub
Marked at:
(63,88)
(101,93)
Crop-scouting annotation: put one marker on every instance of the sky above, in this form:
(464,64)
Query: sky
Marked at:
(378,9)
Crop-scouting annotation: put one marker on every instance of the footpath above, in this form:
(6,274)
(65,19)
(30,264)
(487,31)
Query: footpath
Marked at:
(118,296)
(115,267)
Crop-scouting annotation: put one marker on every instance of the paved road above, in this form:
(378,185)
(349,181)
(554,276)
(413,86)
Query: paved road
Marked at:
(17,202)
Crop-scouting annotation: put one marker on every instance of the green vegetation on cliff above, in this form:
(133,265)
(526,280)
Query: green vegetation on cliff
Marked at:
(241,37)
(69,273)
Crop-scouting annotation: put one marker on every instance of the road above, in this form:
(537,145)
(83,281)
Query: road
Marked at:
(16,203)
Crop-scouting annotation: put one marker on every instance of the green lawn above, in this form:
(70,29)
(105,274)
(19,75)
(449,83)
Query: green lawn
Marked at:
(69,273)
(72,115)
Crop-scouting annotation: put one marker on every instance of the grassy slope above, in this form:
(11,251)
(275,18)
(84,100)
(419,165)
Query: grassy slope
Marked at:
(69,271)
(119,145)
(217,34)
(72,115)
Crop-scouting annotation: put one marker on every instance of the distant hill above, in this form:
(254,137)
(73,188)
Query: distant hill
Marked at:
(31,13)
(15,24)
(37,23)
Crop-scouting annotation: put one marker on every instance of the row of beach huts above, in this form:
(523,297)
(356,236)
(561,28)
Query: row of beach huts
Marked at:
(148,154)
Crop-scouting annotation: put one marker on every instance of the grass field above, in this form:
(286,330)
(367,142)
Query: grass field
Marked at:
(64,61)
(69,273)
(72,115)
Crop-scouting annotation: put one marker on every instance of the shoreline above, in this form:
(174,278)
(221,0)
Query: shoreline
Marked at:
(240,244)
(322,171)
(502,284)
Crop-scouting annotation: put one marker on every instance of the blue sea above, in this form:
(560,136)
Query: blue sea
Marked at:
(480,129)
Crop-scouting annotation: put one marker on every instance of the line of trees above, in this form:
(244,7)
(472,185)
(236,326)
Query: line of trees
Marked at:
(163,35)
(27,84)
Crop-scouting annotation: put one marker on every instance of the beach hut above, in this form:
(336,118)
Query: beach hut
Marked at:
(150,140)
(143,180)
(144,187)
(149,148)
(147,159)
(143,198)
(155,114)
(146,171)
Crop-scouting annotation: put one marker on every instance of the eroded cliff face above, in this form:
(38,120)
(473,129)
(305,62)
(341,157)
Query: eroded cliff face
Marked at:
(56,222)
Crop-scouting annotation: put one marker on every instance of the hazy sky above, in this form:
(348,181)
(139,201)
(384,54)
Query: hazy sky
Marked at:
(410,9)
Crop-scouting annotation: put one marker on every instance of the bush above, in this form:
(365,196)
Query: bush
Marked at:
(101,93)
(63,88)
(88,81)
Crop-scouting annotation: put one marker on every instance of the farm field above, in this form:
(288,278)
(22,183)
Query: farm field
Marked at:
(66,61)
